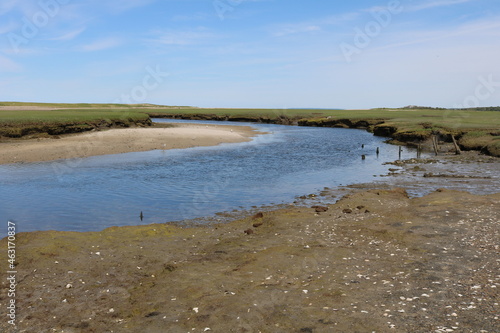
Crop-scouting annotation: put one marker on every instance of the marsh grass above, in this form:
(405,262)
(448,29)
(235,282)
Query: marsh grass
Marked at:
(65,116)
(19,123)
(410,118)
(482,141)
(474,129)
(73,105)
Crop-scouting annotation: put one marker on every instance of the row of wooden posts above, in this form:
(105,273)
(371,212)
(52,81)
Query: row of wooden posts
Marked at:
(435,145)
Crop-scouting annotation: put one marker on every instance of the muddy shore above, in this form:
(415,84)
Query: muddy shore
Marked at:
(375,261)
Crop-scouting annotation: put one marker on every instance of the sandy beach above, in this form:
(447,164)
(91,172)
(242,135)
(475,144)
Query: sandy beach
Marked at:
(117,141)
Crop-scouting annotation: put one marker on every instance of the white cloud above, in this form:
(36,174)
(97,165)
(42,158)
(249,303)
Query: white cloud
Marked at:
(473,30)
(118,6)
(69,35)
(193,17)
(7,65)
(434,4)
(340,19)
(8,27)
(314,25)
(290,30)
(182,37)
(102,44)
(8,5)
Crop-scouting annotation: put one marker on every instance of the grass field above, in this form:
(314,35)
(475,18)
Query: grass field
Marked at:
(404,124)
(408,117)
(19,123)
(475,129)
(65,116)
(70,105)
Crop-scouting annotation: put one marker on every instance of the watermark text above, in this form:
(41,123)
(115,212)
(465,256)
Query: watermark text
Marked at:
(32,25)
(11,273)
(382,18)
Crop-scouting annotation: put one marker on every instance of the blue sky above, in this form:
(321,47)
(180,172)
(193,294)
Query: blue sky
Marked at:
(252,53)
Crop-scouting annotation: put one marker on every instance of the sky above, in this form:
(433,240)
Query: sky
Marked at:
(252,53)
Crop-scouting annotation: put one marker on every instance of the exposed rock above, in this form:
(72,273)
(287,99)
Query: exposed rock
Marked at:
(320,209)
(259,215)
(249,231)
(258,224)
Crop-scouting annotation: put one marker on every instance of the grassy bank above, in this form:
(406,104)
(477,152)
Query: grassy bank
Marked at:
(19,123)
(80,105)
(473,129)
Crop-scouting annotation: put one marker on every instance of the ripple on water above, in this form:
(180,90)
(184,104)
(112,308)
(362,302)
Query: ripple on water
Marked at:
(99,192)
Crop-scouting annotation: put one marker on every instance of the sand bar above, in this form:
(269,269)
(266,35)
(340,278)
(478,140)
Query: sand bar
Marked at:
(117,141)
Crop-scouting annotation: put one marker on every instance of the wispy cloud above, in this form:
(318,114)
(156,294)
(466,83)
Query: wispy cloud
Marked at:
(118,6)
(298,29)
(340,18)
(7,27)
(200,16)
(69,35)
(434,4)
(7,65)
(318,24)
(195,37)
(100,45)
(7,5)
(473,30)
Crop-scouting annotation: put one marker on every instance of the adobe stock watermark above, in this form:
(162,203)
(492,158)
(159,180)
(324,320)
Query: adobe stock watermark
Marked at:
(11,273)
(485,89)
(224,6)
(151,81)
(382,18)
(31,26)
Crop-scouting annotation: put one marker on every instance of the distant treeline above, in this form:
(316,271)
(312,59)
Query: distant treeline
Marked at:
(488,108)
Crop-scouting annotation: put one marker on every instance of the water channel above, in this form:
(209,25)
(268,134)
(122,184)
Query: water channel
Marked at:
(94,193)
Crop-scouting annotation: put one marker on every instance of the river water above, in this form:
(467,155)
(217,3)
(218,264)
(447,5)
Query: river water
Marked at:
(94,193)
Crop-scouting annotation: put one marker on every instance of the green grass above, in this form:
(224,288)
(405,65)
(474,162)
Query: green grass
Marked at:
(404,124)
(481,140)
(411,118)
(20,123)
(74,105)
(65,116)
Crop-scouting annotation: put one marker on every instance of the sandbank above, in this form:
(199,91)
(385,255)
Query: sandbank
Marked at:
(117,141)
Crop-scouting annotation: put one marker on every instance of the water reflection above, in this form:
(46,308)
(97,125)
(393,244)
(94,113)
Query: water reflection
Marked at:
(99,192)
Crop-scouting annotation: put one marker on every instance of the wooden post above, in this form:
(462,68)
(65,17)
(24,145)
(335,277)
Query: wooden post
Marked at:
(457,148)
(400,151)
(378,151)
(419,150)
(434,143)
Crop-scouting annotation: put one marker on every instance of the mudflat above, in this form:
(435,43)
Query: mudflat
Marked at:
(376,261)
(116,141)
